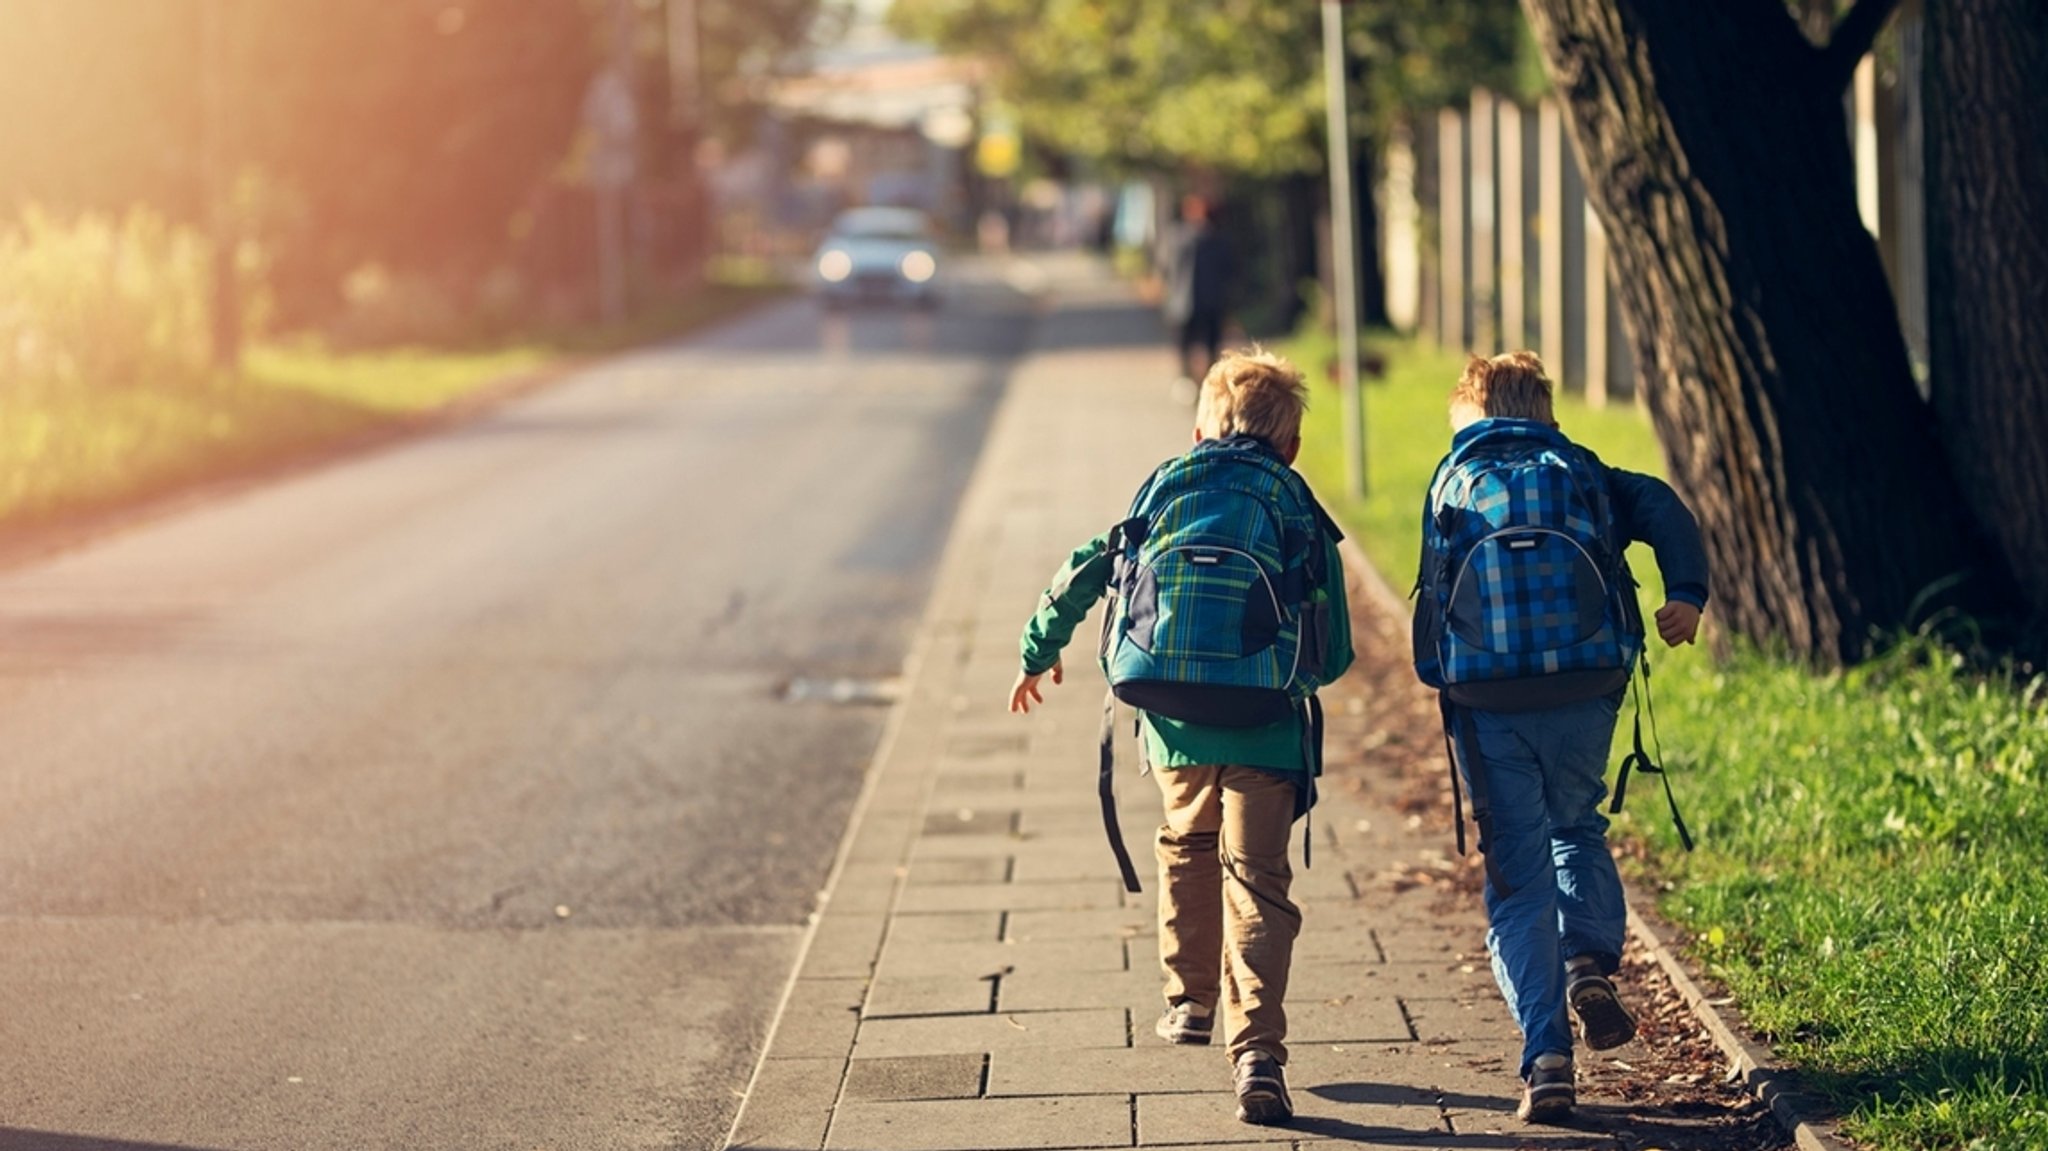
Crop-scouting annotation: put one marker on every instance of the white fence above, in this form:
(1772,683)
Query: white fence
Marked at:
(1491,245)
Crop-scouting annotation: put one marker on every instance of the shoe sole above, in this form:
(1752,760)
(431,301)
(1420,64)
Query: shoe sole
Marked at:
(1182,1036)
(1263,1109)
(1607,1024)
(1552,1105)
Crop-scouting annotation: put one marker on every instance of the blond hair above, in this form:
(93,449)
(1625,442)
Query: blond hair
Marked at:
(1252,392)
(1511,385)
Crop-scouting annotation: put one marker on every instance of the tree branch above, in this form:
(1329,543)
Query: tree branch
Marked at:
(1853,36)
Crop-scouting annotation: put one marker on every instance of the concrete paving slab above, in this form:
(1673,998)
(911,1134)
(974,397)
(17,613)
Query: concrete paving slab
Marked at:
(915,1077)
(963,927)
(929,995)
(1076,896)
(1092,861)
(1376,1019)
(1479,1019)
(1410,981)
(1066,799)
(1327,939)
(1109,1071)
(976,781)
(1126,923)
(868,887)
(1075,957)
(1046,988)
(985,741)
(954,820)
(1460,1080)
(819,1019)
(941,872)
(983,1125)
(1009,1031)
(845,944)
(789,1105)
(1205,1119)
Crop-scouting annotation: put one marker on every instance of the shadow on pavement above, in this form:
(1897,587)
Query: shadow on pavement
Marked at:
(1399,1095)
(18,1139)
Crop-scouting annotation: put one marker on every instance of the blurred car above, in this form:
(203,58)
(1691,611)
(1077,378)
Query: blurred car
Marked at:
(880,254)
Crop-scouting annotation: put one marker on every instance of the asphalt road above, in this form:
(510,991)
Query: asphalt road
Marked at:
(452,796)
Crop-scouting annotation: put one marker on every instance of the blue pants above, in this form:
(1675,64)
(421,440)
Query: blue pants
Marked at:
(1544,780)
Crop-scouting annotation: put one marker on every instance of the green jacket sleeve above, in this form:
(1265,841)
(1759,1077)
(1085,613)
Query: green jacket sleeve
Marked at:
(1080,582)
(1341,654)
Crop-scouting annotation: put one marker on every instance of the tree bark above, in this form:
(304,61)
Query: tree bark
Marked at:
(1771,355)
(1986,75)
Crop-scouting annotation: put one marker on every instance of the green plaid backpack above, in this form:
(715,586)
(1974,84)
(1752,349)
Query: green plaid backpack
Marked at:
(1218,615)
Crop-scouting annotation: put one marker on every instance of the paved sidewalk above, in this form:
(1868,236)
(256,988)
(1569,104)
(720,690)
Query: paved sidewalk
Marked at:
(977,978)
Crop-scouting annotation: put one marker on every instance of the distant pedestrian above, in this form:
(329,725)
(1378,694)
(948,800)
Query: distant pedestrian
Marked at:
(1527,623)
(1228,612)
(1198,272)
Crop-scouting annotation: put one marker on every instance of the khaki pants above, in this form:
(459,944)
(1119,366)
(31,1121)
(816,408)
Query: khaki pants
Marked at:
(1226,926)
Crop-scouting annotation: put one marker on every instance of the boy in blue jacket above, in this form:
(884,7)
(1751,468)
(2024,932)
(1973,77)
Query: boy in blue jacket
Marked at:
(1553,896)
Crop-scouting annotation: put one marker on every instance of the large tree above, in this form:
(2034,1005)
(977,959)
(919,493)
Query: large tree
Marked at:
(1716,154)
(1986,77)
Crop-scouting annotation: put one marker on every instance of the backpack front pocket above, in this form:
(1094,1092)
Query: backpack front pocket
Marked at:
(1204,603)
(1527,591)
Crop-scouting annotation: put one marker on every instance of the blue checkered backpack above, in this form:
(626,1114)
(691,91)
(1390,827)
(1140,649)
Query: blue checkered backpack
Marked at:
(1523,599)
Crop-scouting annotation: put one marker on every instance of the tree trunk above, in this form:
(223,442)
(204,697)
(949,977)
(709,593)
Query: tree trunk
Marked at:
(1716,154)
(1986,72)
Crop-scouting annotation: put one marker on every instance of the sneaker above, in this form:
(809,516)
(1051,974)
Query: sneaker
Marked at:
(1605,1022)
(1186,1022)
(1548,1094)
(1262,1090)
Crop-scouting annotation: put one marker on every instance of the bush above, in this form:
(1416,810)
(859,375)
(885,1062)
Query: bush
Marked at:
(95,302)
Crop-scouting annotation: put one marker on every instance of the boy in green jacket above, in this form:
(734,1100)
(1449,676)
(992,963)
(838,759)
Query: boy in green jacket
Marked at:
(1231,793)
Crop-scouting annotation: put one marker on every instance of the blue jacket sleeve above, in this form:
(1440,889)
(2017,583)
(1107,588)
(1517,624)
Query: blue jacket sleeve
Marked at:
(1080,582)
(1646,510)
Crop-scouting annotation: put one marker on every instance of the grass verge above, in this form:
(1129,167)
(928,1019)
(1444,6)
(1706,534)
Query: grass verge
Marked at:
(71,451)
(1868,880)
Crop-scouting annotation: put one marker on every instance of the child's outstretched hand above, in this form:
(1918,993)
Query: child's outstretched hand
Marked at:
(1678,622)
(1024,692)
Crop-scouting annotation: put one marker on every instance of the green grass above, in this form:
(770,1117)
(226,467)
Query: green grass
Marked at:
(1869,880)
(70,450)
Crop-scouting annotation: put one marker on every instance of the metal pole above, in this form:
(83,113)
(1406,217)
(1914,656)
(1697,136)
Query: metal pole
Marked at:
(686,121)
(216,181)
(1343,246)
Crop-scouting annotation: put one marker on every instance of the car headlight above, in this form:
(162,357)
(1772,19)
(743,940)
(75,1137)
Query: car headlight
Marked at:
(917,267)
(834,266)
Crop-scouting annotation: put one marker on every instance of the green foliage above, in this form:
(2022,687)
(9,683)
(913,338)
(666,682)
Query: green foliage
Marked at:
(1234,86)
(74,449)
(1866,884)
(97,302)
(1150,83)
(1867,880)
(1418,55)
